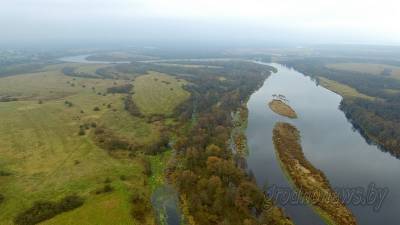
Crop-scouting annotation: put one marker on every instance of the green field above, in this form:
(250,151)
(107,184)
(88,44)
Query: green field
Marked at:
(157,93)
(369,68)
(47,159)
(341,89)
(51,84)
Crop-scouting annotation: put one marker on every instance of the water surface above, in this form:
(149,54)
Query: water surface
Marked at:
(329,142)
(83,59)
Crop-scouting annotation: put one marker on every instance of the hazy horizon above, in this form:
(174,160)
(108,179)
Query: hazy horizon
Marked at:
(27,22)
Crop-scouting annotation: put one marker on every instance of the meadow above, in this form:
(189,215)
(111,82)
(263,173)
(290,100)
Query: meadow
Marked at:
(158,93)
(342,89)
(368,68)
(47,156)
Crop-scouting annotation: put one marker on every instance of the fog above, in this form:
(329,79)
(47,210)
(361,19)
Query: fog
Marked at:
(199,21)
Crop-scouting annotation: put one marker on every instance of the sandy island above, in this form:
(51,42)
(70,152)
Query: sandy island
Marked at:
(312,184)
(281,108)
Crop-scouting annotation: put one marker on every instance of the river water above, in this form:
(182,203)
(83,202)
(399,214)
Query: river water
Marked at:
(83,59)
(329,142)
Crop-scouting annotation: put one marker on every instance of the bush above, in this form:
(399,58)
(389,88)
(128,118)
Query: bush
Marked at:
(147,167)
(68,103)
(120,89)
(44,210)
(4,173)
(96,109)
(81,132)
(106,189)
(141,206)
(1,198)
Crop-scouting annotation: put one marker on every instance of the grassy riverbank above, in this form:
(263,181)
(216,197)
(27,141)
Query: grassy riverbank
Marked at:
(308,180)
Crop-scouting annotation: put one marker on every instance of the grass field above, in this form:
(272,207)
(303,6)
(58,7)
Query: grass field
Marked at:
(47,159)
(89,68)
(51,84)
(342,89)
(369,68)
(157,93)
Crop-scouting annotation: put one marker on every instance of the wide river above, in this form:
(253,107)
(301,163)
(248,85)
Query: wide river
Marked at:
(329,142)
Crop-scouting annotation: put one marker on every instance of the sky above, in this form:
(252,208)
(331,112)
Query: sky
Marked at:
(305,21)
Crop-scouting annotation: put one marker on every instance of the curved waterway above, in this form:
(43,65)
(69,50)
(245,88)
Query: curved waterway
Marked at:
(329,142)
(83,59)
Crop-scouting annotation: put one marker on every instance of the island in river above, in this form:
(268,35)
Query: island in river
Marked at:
(281,108)
(310,182)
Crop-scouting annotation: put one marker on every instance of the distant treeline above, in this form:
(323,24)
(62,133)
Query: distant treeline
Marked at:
(15,69)
(379,119)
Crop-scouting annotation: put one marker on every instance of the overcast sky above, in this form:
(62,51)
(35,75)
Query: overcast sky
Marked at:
(319,21)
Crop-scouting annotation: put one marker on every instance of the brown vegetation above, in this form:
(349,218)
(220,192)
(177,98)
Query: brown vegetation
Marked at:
(281,108)
(308,179)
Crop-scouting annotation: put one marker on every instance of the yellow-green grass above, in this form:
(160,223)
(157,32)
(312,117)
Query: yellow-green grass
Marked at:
(157,93)
(342,89)
(107,208)
(158,165)
(40,146)
(188,65)
(369,68)
(89,68)
(51,84)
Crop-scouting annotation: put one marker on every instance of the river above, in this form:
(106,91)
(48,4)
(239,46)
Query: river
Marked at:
(329,142)
(83,59)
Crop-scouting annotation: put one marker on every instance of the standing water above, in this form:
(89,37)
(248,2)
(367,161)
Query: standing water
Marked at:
(329,142)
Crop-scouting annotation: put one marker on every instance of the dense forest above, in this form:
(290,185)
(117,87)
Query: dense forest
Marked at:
(213,185)
(377,119)
(213,188)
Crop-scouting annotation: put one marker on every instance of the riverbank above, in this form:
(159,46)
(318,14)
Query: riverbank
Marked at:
(308,180)
(281,108)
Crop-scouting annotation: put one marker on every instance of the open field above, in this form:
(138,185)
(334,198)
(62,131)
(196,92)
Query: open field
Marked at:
(342,89)
(188,65)
(90,68)
(157,93)
(48,159)
(51,84)
(369,68)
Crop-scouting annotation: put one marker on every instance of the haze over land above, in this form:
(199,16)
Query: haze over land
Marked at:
(206,21)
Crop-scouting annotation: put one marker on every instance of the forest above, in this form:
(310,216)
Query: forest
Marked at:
(213,188)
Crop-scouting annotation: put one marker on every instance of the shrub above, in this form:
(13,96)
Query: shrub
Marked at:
(68,103)
(44,210)
(1,198)
(81,132)
(141,207)
(96,108)
(120,89)
(4,173)
(106,189)
(147,167)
